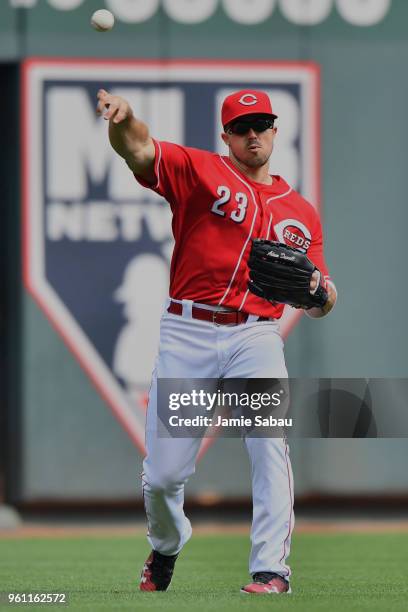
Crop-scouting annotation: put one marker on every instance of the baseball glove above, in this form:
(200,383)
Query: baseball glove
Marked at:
(282,274)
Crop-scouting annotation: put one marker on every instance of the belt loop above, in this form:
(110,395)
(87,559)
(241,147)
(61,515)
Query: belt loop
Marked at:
(252,318)
(187,308)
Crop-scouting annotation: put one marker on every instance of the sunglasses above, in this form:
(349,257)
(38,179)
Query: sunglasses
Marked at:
(243,127)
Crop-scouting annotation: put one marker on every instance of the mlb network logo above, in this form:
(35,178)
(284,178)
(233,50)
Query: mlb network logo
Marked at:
(97,244)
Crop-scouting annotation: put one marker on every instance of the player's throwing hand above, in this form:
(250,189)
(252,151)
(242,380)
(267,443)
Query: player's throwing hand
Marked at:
(112,107)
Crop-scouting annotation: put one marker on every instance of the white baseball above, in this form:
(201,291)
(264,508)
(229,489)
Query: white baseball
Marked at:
(102,20)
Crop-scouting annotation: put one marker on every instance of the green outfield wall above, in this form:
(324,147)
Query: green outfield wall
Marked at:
(72,446)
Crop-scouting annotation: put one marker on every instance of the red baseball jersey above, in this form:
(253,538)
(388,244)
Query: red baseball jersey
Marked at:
(217,210)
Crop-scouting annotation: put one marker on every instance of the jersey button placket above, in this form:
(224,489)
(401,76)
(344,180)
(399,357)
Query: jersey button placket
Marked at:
(264,216)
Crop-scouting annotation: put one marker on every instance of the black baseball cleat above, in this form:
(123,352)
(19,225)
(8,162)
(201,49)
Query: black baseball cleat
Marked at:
(157,572)
(266,583)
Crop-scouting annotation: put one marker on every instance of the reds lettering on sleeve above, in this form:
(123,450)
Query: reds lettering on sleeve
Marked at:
(216,211)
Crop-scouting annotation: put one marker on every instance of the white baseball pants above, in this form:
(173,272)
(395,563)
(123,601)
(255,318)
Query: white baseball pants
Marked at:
(196,349)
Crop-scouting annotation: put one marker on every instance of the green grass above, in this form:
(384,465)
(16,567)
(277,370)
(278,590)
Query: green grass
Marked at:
(352,572)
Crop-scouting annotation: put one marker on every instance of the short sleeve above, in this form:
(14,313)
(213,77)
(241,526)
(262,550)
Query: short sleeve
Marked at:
(177,171)
(316,250)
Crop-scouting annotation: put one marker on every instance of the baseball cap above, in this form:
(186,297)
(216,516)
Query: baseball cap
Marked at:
(245,102)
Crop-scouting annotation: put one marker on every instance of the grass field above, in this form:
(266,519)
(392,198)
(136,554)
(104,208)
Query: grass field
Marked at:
(330,572)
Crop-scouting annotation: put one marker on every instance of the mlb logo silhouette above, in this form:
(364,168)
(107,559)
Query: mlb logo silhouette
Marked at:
(97,245)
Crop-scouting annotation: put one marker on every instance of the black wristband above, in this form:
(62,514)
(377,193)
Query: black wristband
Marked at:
(319,297)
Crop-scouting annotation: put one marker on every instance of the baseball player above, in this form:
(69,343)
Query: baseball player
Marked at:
(245,244)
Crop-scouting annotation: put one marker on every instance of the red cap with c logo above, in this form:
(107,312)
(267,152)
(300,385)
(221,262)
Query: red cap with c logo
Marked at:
(245,102)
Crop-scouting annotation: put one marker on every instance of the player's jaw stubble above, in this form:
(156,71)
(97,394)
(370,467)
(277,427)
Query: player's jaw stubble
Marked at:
(254,154)
(250,159)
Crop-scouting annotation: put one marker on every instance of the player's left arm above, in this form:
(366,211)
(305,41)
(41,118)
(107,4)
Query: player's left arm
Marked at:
(321,276)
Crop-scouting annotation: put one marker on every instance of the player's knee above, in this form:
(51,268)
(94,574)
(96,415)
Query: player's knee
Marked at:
(165,480)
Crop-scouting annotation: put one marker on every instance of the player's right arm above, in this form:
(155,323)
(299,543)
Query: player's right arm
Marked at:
(128,135)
